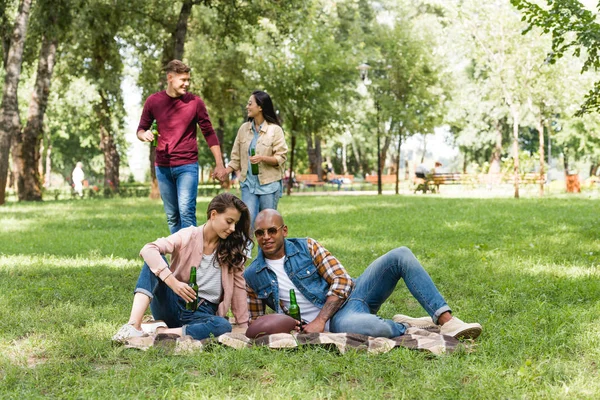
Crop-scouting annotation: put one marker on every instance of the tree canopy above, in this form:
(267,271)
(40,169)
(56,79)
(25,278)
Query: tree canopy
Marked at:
(488,71)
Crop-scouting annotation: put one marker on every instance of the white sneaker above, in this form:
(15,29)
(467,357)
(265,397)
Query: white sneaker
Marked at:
(127,331)
(460,330)
(152,326)
(421,322)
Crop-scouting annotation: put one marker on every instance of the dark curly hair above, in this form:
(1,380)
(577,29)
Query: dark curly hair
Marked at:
(232,251)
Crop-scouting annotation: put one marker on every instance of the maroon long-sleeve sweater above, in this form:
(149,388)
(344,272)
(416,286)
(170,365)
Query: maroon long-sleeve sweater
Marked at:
(177,118)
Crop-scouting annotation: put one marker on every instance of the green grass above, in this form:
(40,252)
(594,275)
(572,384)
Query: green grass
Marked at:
(527,270)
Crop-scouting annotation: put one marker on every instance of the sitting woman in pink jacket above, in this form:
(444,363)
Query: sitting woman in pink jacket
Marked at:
(217,249)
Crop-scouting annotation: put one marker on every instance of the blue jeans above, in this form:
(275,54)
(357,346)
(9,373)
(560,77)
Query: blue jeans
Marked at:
(169,307)
(376,284)
(258,202)
(179,188)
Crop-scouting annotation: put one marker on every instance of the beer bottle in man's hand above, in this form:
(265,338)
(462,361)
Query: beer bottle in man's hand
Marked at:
(294,310)
(193,305)
(154,129)
(254,166)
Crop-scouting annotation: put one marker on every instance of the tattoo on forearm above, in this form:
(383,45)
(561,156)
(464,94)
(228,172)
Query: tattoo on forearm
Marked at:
(330,307)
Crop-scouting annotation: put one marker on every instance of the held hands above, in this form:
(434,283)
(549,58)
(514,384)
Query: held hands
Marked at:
(181,289)
(221,173)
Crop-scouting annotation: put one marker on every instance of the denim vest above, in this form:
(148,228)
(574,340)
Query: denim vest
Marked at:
(298,265)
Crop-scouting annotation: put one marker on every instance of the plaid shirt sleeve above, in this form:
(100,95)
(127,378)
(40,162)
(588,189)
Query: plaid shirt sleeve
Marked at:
(256,307)
(340,282)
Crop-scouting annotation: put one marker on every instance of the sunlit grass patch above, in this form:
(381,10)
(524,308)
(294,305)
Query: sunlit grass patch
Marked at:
(526,270)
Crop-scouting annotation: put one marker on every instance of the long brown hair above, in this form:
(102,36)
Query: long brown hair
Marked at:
(232,251)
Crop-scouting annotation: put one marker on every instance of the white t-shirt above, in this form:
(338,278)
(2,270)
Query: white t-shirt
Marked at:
(77,175)
(208,278)
(308,310)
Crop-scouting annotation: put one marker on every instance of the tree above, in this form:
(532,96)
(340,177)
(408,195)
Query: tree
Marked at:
(51,20)
(507,64)
(309,78)
(10,124)
(409,84)
(572,27)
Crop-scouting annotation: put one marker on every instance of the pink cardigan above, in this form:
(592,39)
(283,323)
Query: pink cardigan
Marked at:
(185,248)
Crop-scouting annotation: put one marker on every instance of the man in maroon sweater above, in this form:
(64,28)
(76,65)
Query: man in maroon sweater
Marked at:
(177,113)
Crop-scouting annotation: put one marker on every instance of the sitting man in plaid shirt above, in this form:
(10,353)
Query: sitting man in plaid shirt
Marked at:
(328,297)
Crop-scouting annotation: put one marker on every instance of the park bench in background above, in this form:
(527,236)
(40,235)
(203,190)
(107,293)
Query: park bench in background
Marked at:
(309,180)
(452,178)
(384,179)
(455,178)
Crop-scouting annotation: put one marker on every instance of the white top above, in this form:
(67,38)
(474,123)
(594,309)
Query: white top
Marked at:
(208,278)
(422,168)
(78,175)
(308,310)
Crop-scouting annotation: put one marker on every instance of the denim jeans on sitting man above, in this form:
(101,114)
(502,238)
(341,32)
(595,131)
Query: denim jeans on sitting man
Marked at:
(179,189)
(375,285)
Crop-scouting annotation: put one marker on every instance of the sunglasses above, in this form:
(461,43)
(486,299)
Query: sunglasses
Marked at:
(271,231)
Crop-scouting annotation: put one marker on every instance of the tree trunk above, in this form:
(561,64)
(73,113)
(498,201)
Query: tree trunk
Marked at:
(10,124)
(319,156)
(220,131)
(357,157)
(47,181)
(566,160)
(108,146)
(549,130)
(173,50)
(27,157)
(344,158)
(398,162)
(315,159)
(4,33)
(384,150)
(495,166)
(181,29)
(540,128)
(424,148)
(514,110)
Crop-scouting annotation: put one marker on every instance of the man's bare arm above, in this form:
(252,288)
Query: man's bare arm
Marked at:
(332,304)
(219,171)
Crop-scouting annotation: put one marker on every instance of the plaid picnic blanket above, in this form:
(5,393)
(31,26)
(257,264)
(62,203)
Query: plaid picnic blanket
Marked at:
(414,338)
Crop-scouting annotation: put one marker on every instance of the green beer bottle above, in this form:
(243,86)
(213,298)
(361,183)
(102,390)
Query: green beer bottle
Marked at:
(294,310)
(254,166)
(154,129)
(193,305)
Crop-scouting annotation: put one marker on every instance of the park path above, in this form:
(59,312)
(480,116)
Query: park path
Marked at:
(457,191)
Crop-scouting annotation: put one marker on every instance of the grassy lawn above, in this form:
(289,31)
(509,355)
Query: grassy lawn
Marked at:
(528,270)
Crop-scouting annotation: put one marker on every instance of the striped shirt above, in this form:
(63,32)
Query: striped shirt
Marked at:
(340,282)
(208,278)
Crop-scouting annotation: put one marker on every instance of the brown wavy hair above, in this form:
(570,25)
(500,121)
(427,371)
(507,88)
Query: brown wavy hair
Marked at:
(232,251)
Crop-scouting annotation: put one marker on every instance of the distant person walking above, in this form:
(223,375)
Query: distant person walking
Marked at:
(78,176)
(177,113)
(259,144)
